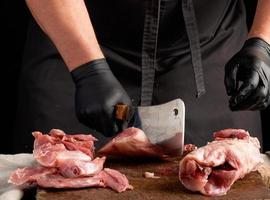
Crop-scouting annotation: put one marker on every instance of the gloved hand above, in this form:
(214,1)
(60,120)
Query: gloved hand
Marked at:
(247,76)
(97,93)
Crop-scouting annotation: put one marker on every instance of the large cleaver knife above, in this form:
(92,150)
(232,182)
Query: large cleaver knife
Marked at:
(163,124)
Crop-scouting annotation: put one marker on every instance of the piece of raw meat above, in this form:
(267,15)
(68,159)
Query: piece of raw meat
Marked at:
(79,168)
(80,142)
(26,177)
(212,169)
(150,175)
(115,180)
(48,149)
(67,153)
(67,162)
(49,178)
(132,142)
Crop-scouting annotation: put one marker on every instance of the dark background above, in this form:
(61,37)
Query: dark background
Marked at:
(14,19)
(13,27)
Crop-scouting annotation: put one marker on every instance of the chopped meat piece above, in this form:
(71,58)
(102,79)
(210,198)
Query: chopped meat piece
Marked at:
(49,178)
(212,169)
(78,168)
(132,142)
(106,178)
(67,163)
(150,175)
(80,142)
(48,149)
(52,151)
(115,180)
(58,181)
(26,177)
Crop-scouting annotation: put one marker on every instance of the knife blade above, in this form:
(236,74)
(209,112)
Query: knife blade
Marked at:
(163,124)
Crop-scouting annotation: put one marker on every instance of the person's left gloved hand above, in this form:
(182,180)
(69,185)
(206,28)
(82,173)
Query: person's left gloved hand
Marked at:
(247,76)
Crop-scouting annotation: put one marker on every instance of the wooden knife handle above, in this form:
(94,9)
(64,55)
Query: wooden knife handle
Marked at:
(122,112)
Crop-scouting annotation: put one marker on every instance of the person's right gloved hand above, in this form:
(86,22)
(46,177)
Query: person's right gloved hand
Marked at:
(97,93)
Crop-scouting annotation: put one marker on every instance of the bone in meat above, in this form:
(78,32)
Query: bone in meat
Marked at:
(212,169)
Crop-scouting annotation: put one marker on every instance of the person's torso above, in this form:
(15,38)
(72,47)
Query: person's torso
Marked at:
(119,26)
(120,23)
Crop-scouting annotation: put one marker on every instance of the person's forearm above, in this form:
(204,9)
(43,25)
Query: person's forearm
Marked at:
(261,24)
(68,25)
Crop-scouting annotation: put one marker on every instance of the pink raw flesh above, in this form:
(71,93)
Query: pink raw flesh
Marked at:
(212,169)
(150,175)
(67,163)
(79,168)
(81,142)
(132,142)
(49,178)
(52,151)
(26,177)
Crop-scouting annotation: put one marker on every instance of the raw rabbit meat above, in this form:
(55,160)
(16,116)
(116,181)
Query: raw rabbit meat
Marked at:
(132,142)
(212,169)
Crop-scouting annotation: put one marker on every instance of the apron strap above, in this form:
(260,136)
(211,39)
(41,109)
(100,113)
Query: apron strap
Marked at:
(194,43)
(149,50)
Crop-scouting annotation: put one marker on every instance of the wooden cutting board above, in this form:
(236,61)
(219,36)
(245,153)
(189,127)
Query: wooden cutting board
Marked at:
(167,187)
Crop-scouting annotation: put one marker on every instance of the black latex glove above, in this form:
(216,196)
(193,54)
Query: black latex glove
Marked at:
(97,93)
(247,76)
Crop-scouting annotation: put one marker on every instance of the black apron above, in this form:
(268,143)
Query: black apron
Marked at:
(159,50)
